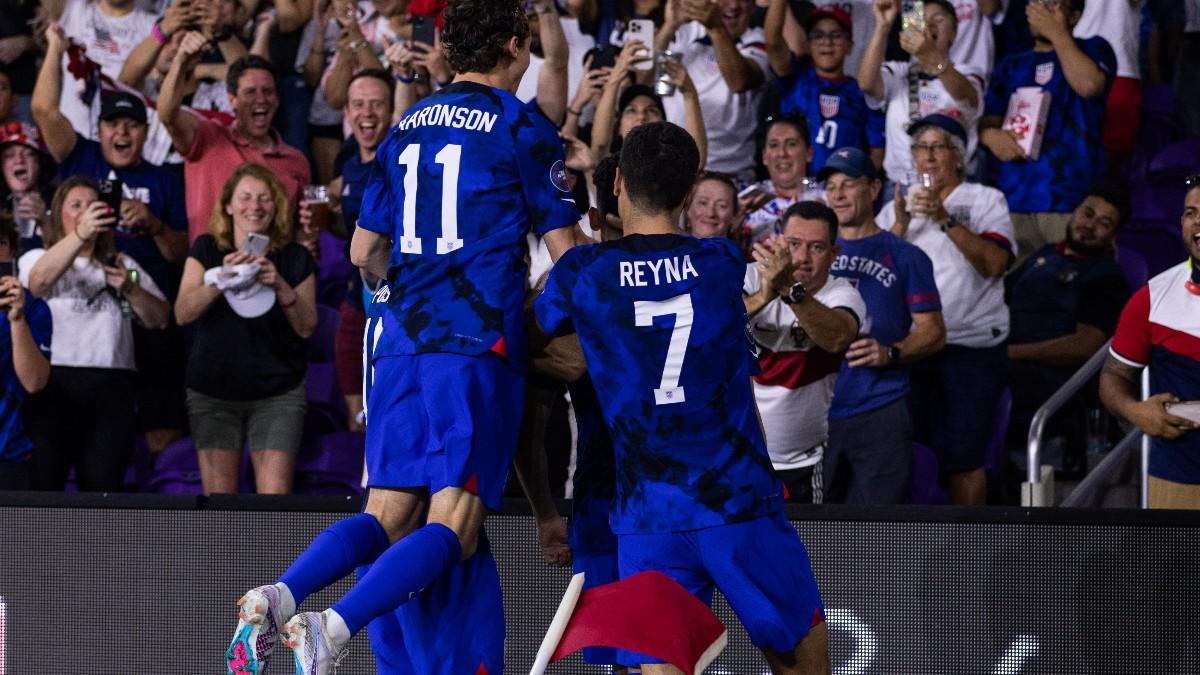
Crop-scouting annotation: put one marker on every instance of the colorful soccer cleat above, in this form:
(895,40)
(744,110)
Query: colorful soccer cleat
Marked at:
(307,635)
(257,632)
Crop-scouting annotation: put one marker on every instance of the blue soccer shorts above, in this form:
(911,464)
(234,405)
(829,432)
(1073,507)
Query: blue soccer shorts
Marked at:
(443,420)
(760,565)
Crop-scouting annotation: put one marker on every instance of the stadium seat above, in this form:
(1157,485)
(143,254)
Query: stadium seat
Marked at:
(332,465)
(1158,245)
(177,470)
(1133,264)
(320,343)
(923,477)
(333,271)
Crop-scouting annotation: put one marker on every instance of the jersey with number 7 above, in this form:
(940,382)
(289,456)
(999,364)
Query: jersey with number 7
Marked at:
(664,332)
(458,183)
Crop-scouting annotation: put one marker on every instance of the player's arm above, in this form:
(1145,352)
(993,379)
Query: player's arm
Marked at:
(530,465)
(1119,384)
(370,251)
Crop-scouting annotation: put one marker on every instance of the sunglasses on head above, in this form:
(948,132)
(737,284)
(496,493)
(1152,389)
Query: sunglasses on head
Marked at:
(1192,181)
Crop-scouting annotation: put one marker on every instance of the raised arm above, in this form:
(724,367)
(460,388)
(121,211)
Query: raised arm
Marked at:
(180,124)
(606,109)
(740,73)
(57,132)
(870,77)
(141,60)
(46,272)
(779,53)
(584,10)
(935,61)
(693,114)
(552,79)
(1082,73)
(353,49)
(293,14)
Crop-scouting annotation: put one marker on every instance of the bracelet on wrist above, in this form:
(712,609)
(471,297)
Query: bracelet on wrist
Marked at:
(159,36)
(577,113)
(289,305)
(405,79)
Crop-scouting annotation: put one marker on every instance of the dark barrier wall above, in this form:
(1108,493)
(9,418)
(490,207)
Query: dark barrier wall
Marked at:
(147,585)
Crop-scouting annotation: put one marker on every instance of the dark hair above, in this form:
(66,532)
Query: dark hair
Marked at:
(476,32)
(796,120)
(659,162)
(379,74)
(1077,5)
(946,7)
(729,182)
(1116,194)
(810,210)
(603,177)
(248,62)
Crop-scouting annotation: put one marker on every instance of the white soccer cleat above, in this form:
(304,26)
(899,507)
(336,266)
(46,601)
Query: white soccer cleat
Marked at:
(307,635)
(257,632)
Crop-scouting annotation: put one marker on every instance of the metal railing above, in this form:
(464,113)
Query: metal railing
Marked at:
(1038,489)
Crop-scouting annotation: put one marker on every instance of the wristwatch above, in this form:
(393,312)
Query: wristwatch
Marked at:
(952,222)
(894,354)
(794,295)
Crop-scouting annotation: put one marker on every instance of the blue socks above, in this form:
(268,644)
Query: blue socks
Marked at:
(405,569)
(335,553)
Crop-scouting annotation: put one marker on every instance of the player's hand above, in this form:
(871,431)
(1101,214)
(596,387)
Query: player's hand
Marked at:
(774,266)
(866,352)
(1152,418)
(1003,144)
(552,535)
(885,12)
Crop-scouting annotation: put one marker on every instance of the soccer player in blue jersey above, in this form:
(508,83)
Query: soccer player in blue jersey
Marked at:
(817,86)
(663,328)
(461,179)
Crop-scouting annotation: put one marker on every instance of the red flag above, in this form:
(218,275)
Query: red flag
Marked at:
(648,613)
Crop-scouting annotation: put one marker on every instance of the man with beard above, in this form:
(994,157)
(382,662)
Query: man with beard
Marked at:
(212,151)
(1064,302)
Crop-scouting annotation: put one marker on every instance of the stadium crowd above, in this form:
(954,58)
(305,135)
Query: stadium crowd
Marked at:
(944,205)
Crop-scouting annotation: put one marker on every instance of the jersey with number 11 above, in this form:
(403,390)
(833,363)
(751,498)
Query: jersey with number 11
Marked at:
(458,183)
(663,327)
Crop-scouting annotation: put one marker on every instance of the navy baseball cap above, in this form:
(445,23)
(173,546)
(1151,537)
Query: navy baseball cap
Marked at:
(850,161)
(122,104)
(941,121)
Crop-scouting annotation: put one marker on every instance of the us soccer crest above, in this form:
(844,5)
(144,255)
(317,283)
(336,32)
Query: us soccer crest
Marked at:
(830,104)
(558,177)
(1044,73)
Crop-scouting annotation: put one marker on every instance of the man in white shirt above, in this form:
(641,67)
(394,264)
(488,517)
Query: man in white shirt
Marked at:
(727,62)
(966,231)
(803,320)
(1118,22)
(108,31)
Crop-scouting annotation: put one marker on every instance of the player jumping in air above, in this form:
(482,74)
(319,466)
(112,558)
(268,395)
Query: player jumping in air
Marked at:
(461,179)
(663,327)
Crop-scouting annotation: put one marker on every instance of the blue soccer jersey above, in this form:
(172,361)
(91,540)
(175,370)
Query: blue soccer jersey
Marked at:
(895,280)
(459,182)
(664,331)
(1072,153)
(836,110)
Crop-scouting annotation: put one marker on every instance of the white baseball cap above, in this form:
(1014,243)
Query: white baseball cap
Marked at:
(252,301)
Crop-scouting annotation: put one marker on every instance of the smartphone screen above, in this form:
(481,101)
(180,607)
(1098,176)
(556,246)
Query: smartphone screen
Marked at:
(255,244)
(423,30)
(603,57)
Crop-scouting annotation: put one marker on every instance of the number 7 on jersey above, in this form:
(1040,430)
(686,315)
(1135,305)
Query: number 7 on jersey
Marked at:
(680,306)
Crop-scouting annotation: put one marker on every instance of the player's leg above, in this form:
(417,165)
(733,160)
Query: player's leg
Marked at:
(762,568)
(471,408)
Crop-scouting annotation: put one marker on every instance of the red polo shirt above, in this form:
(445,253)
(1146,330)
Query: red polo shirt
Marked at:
(217,151)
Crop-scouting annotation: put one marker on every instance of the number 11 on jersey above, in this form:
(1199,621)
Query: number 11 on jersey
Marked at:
(645,311)
(450,157)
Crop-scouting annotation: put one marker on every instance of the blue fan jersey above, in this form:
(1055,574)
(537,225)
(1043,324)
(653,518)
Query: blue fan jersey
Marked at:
(1072,154)
(663,327)
(836,111)
(459,182)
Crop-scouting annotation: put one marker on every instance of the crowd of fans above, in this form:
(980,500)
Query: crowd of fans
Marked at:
(912,252)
